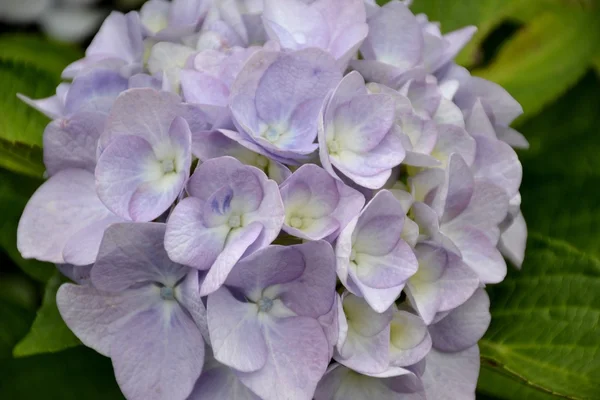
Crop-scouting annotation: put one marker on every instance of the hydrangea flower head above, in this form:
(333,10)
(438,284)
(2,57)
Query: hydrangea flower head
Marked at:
(273,200)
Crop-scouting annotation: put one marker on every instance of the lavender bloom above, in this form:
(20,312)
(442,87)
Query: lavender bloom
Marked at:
(357,134)
(276,98)
(379,343)
(141,171)
(142,311)
(442,282)
(372,259)
(318,206)
(233,210)
(338,26)
(364,340)
(264,321)
(466,213)
(289,146)
(500,107)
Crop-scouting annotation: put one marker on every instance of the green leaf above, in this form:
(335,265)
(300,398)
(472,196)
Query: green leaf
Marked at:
(546,318)
(17,289)
(48,333)
(32,66)
(562,168)
(546,57)
(38,52)
(14,324)
(596,62)
(15,191)
(72,374)
(494,384)
(22,127)
(486,15)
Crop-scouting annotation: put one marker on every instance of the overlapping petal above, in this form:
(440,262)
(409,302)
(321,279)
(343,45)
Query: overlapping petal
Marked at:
(317,205)
(373,261)
(357,134)
(276,98)
(272,336)
(233,210)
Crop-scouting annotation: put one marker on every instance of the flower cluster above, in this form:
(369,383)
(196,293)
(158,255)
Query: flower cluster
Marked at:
(278,199)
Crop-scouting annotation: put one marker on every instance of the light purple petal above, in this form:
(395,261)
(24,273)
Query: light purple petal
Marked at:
(363,146)
(341,383)
(409,339)
(480,254)
(78,274)
(456,192)
(441,283)
(372,235)
(188,240)
(318,205)
(218,382)
(213,174)
(295,25)
(187,293)
(53,106)
(235,332)
(504,107)
(297,359)
(71,142)
(497,162)
(133,253)
(82,247)
(94,91)
(95,317)
(514,240)
(463,326)
(478,123)
(134,183)
(62,207)
(158,354)
(512,137)
(455,40)
(142,112)
(486,209)
(366,345)
(385,43)
(454,139)
(283,120)
(201,88)
(451,376)
(301,276)
(236,246)
(118,44)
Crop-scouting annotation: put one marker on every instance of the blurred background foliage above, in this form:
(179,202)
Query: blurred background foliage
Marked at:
(544,339)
